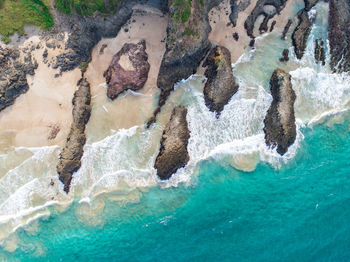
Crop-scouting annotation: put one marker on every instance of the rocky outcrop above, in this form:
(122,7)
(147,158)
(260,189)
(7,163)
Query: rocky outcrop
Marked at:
(236,7)
(301,33)
(320,55)
(303,29)
(221,84)
(128,70)
(70,157)
(286,29)
(280,128)
(339,35)
(13,72)
(285,56)
(173,152)
(187,43)
(260,10)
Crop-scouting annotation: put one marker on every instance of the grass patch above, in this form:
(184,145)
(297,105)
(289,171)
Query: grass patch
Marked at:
(87,7)
(14,14)
(182,10)
(190,31)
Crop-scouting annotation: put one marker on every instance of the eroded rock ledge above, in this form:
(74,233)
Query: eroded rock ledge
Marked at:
(303,29)
(280,128)
(128,70)
(187,44)
(259,10)
(173,152)
(339,34)
(70,157)
(13,72)
(221,84)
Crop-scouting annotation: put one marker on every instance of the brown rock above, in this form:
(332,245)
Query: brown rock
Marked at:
(221,84)
(301,33)
(70,157)
(187,44)
(280,128)
(339,35)
(173,152)
(128,70)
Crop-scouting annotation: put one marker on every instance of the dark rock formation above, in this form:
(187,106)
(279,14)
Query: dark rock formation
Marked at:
(286,29)
(86,32)
(285,55)
(280,128)
(310,4)
(236,7)
(173,152)
(258,11)
(235,36)
(70,157)
(221,84)
(187,44)
(320,55)
(13,71)
(119,78)
(301,33)
(273,25)
(339,35)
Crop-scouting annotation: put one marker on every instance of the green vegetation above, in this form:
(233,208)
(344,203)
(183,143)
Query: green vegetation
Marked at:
(182,11)
(190,31)
(14,14)
(87,7)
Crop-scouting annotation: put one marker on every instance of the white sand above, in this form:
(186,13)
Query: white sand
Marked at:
(46,106)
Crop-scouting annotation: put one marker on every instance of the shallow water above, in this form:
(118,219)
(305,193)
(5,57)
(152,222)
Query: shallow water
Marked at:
(235,200)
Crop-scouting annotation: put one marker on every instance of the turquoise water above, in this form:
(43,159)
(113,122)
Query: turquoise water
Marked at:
(298,213)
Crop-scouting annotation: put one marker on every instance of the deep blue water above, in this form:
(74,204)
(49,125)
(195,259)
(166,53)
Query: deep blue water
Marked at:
(298,213)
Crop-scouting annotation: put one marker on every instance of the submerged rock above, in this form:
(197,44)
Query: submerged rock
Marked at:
(128,70)
(187,44)
(320,55)
(70,157)
(301,33)
(339,35)
(173,152)
(280,128)
(13,75)
(221,84)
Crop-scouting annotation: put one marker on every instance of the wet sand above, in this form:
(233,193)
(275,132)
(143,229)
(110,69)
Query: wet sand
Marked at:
(130,108)
(222,33)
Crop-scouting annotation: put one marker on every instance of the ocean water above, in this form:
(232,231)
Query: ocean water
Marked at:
(236,200)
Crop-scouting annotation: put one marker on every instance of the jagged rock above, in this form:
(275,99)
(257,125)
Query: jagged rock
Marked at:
(301,33)
(173,152)
(70,157)
(13,71)
(128,70)
(187,44)
(339,35)
(236,7)
(310,4)
(280,128)
(258,11)
(285,55)
(320,55)
(221,84)
(286,29)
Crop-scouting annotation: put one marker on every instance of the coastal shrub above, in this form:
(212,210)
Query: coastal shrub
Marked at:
(87,7)
(15,14)
(182,10)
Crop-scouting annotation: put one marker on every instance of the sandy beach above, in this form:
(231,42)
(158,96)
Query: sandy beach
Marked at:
(222,32)
(130,108)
